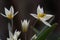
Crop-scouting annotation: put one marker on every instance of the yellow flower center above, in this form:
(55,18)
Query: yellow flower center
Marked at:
(10,16)
(40,15)
(24,30)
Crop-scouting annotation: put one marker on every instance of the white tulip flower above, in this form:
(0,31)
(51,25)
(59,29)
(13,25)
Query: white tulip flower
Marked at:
(9,13)
(25,25)
(42,16)
(15,36)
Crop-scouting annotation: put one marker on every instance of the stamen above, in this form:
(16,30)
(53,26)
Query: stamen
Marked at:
(10,16)
(40,15)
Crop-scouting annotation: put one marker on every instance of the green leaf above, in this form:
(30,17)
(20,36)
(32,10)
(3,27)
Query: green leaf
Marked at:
(44,33)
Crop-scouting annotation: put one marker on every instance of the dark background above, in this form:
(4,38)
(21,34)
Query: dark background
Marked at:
(25,7)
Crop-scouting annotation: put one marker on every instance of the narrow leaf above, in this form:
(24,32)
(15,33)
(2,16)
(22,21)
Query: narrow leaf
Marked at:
(43,34)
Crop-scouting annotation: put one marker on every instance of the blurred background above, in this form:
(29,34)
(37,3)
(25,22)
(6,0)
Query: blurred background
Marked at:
(25,7)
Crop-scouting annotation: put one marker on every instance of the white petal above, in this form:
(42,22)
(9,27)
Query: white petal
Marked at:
(7,12)
(16,13)
(11,9)
(34,37)
(10,34)
(47,17)
(39,10)
(46,23)
(25,25)
(16,34)
(3,15)
(34,15)
(19,39)
(8,39)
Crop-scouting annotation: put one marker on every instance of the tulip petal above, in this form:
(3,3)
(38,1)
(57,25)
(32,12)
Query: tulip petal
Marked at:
(47,17)
(39,10)
(8,39)
(7,12)
(34,37)
(19,39)
(16,13)
(16,34)
(10,34)
(3,15)
(11,9)
(46,23)
(34,15)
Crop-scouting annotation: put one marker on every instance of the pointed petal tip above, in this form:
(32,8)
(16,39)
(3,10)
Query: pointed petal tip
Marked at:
(3,15)
(39,9)
(49,25)
(38,6)
(5,9)
(11,6)
(16,13)
(12,9)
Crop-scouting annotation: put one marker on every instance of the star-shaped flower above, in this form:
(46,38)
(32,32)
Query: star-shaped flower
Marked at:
(42,16)
(25,25)
(15,36)
(9,13)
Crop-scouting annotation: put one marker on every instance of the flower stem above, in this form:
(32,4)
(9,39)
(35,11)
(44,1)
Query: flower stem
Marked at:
(11,25)
(25,36)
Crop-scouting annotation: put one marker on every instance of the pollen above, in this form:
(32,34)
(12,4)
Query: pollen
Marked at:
(10,16)
(40,15)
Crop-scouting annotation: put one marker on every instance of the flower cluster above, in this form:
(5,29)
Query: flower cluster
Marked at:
(41,16)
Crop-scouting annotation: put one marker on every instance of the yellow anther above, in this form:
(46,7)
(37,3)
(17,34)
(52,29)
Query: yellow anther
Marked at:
(10,16)
(40,15)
